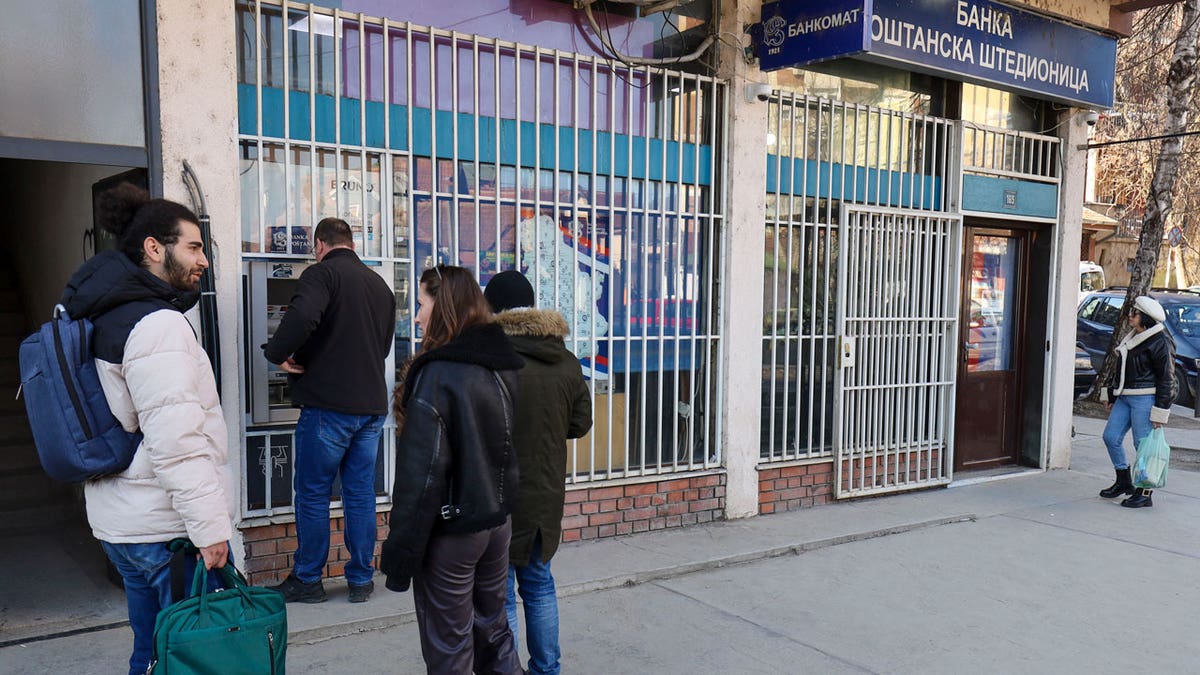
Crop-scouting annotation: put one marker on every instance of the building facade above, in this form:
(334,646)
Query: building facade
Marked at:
(842,276)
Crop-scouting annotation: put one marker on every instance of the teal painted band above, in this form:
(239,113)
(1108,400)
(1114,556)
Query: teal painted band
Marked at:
(992,194)
(619,155)
(810,178)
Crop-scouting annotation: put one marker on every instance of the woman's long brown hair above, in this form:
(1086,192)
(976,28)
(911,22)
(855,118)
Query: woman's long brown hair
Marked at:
(458,304)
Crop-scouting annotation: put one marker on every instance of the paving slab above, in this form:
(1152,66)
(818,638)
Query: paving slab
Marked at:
(998,595)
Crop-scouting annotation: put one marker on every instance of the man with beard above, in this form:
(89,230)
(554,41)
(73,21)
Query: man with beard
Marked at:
(156,379)
(333,343)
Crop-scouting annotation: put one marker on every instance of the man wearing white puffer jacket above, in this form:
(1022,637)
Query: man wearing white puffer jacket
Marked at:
(158,380)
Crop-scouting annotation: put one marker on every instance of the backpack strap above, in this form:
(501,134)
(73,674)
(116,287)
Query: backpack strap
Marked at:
(181,549)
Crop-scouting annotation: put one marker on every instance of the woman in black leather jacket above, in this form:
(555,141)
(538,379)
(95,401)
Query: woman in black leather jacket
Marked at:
(456,478)
(1140,394)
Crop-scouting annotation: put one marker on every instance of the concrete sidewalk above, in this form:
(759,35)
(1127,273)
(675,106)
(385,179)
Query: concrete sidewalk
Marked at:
(635,559)
(1065,500)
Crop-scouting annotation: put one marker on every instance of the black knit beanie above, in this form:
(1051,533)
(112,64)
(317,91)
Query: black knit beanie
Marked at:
(508,290)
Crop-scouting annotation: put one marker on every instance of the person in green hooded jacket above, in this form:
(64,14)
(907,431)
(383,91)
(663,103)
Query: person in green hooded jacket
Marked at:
(553,406)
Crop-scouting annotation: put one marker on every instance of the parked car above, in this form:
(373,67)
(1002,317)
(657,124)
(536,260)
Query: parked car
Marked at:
(1099,311)
(1084,373)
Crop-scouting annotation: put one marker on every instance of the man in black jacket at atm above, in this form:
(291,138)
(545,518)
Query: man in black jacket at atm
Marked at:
(333,342)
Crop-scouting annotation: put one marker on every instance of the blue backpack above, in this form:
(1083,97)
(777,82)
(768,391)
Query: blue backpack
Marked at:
(76,435)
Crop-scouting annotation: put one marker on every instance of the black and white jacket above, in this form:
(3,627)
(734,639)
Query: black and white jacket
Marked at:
(1147,367)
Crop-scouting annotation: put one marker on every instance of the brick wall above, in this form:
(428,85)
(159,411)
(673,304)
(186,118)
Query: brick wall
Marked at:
(890,470)
(589,513)
(793,487)
(608,511)
(269,549)
(787,488)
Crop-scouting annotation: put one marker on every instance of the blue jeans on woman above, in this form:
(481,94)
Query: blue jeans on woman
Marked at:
(1127,412)
(329,442)
(536,585)
(146,571)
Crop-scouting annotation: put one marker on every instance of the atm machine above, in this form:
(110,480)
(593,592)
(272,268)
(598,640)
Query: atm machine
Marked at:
(268,286)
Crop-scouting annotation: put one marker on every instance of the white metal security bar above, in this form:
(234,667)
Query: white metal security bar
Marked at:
(599,180)
(823,155)
(1011,154)
(898,322)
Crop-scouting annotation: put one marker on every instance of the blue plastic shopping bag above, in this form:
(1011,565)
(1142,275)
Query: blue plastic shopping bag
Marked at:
(1153,454)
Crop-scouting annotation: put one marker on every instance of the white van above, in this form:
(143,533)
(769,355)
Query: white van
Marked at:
(1091,278)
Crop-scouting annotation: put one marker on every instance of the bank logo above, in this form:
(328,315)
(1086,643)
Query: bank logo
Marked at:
(774,31)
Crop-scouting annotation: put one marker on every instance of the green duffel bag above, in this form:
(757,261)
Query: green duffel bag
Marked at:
(241,629)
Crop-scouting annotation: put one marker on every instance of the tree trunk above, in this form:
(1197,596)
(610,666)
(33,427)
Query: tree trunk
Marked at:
(1181,83)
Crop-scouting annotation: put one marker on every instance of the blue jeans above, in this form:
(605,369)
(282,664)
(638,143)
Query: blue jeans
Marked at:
(1127,412)
(147,575)
(536,585)
(328,442)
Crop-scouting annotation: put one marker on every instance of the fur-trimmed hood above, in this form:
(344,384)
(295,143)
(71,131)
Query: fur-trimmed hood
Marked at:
(536,333)
(528,322)
(554,405)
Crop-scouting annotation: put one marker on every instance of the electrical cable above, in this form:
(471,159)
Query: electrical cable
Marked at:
(662,31)
(209,318)
(615,71)
(637,60)
(1093,146)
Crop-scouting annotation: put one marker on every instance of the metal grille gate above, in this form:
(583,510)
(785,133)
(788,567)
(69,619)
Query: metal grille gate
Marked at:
(601,181)
(860,244)
(897,322)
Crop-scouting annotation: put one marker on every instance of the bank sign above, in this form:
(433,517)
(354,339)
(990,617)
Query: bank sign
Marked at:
(974,40)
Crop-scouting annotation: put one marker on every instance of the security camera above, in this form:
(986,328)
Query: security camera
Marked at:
(1091,117)
(757,91)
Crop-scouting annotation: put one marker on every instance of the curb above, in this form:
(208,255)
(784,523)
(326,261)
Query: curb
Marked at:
(333,631)
(628,580)
(17,642)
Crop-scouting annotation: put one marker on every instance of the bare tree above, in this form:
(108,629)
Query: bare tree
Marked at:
(1180,89)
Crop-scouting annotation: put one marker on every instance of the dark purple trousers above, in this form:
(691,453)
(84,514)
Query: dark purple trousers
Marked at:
(459,597)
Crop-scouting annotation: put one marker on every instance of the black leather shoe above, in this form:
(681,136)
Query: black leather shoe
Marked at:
(1123,485)
(361,592)
(294,590)
(1139,499)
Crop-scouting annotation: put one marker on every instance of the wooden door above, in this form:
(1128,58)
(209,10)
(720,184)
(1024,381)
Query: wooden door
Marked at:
(992,314)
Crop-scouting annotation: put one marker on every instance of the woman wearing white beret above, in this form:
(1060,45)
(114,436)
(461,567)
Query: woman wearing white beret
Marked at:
(1140,393)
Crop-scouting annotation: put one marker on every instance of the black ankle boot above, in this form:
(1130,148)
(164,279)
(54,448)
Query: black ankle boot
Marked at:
(1123,486)
(1139,499)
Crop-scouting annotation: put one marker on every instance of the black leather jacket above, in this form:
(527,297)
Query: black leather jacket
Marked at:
(456,469)
(1149,365)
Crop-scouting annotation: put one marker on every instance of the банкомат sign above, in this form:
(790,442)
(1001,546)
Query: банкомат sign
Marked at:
(972,40)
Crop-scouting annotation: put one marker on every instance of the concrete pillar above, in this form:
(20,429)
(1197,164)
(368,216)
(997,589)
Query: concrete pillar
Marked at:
(742,275)
(197,75)
(1074,133)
